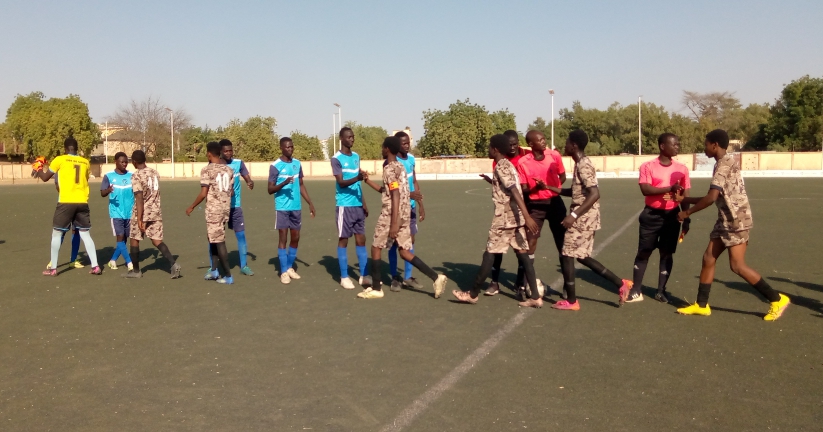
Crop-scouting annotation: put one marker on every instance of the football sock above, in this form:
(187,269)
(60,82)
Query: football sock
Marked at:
(601,270)
(666,264)
(362,259)
(393,260)
(56,237)
(498,262)
(242,247)
(283,254)
(376,274)
(135,257)
(292,257)
(641,261)
(167,254)
(214,258)
(75,247)
(518,281)
(527,262)
(703,294)
(124,251)
(223,254)
(343,260)
(567,266)
(483,272)
(90,250)
(116,253)
(425,269)
(763,288)
(408,267)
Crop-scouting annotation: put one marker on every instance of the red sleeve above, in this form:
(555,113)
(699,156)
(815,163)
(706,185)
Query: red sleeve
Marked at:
(559,161)
(645,175)
(687,183)
(523,173)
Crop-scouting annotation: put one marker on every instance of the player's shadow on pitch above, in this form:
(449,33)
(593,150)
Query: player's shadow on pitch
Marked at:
(275,262)
(806,285)
(799,300)
(591,277)
(739,286)
(463,274)
(330,263)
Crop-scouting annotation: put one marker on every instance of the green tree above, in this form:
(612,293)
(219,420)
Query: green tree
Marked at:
(40,126)
(463,129)
(368,140)
(796,122)
(254,139)
(193,142)
(306,148)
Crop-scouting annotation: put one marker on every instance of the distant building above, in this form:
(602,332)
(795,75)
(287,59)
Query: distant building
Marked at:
(119,140)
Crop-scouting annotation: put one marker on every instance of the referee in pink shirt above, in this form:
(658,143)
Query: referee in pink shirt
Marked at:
(660,178)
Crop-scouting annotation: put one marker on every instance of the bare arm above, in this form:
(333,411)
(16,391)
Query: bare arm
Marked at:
(274,187)
(249,181)
(521,204)
(395,210)
(204,191)
(699,203)
(562,178)
(349,182)
(46,175)
(648,190)
(305,194)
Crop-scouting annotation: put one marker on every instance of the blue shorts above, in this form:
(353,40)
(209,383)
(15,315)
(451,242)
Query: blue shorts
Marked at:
(120,227)
(350,221)
(292,219)
(236,220)
(413,222)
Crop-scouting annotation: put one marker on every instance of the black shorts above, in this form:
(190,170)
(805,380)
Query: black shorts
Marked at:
(553,212)
(659,229)
(67,214)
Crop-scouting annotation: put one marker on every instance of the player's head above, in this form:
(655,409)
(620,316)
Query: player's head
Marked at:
(213,151)
(226,149)
(669,144)
(391,145)
(346,137)
(405,142)
(498,146)
(286,147)
(514,142)
(716,139)
(577,142)
(70,146)
(138,157)
(536,140)
(121,161)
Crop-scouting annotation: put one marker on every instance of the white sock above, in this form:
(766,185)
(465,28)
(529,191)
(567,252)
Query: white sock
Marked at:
(89,244)
(56,239)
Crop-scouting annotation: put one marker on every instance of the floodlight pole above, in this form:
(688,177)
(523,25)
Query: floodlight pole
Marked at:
(551,92)
(172,140)
(333,134)
(106,145)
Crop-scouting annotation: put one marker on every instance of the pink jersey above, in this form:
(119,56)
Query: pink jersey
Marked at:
(548,170)
(516,158)
(658,175)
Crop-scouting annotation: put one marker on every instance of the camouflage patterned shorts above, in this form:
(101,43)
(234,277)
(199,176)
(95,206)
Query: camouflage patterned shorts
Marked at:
(730,239)
(578,244)
(381,234)
(216,227)
(154,230)
(500,239)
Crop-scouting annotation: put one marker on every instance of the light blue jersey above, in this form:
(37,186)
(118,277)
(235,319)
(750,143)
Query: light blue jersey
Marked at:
(240,170)
(349,167)
(121,199)
(287,198)
(409,164)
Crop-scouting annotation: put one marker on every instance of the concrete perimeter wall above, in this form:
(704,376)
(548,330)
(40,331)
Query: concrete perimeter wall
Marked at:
(749,161)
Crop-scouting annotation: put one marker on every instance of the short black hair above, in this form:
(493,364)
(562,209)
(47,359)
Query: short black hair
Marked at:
(665,136)
(500,142)
(392,143)
(225,143)
(401,134)
(532,132)
(284,139)
(118,155)
(213,148)
(345,129)
(511,134)
(579,137)
(70,142)
(138,156)
(719,137)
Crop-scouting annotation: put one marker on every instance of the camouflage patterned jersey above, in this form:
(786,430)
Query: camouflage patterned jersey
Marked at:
(220,180)
(506,212)
(394,178)
(733,211)
(147,181)
(585,177)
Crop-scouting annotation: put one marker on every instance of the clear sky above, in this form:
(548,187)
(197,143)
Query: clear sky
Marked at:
(386,62)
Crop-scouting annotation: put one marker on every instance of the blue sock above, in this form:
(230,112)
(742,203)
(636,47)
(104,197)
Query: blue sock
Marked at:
(242,248)
(117,252)
(124,251)
(363,258)
(292,256)
(284,260)
(393,260)
(75,246)
(343,259)
(408,267)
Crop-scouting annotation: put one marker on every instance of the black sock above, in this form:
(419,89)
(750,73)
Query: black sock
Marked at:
(166,253)
(518,281)
(641,261)
(528,272)
(223,254)
(763,288)
(426,270)
(601,270)
(666,265)
(134,253)
(567,264)
(498,263)
(483,273)
(377,274)
(703,294)
(215,258)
